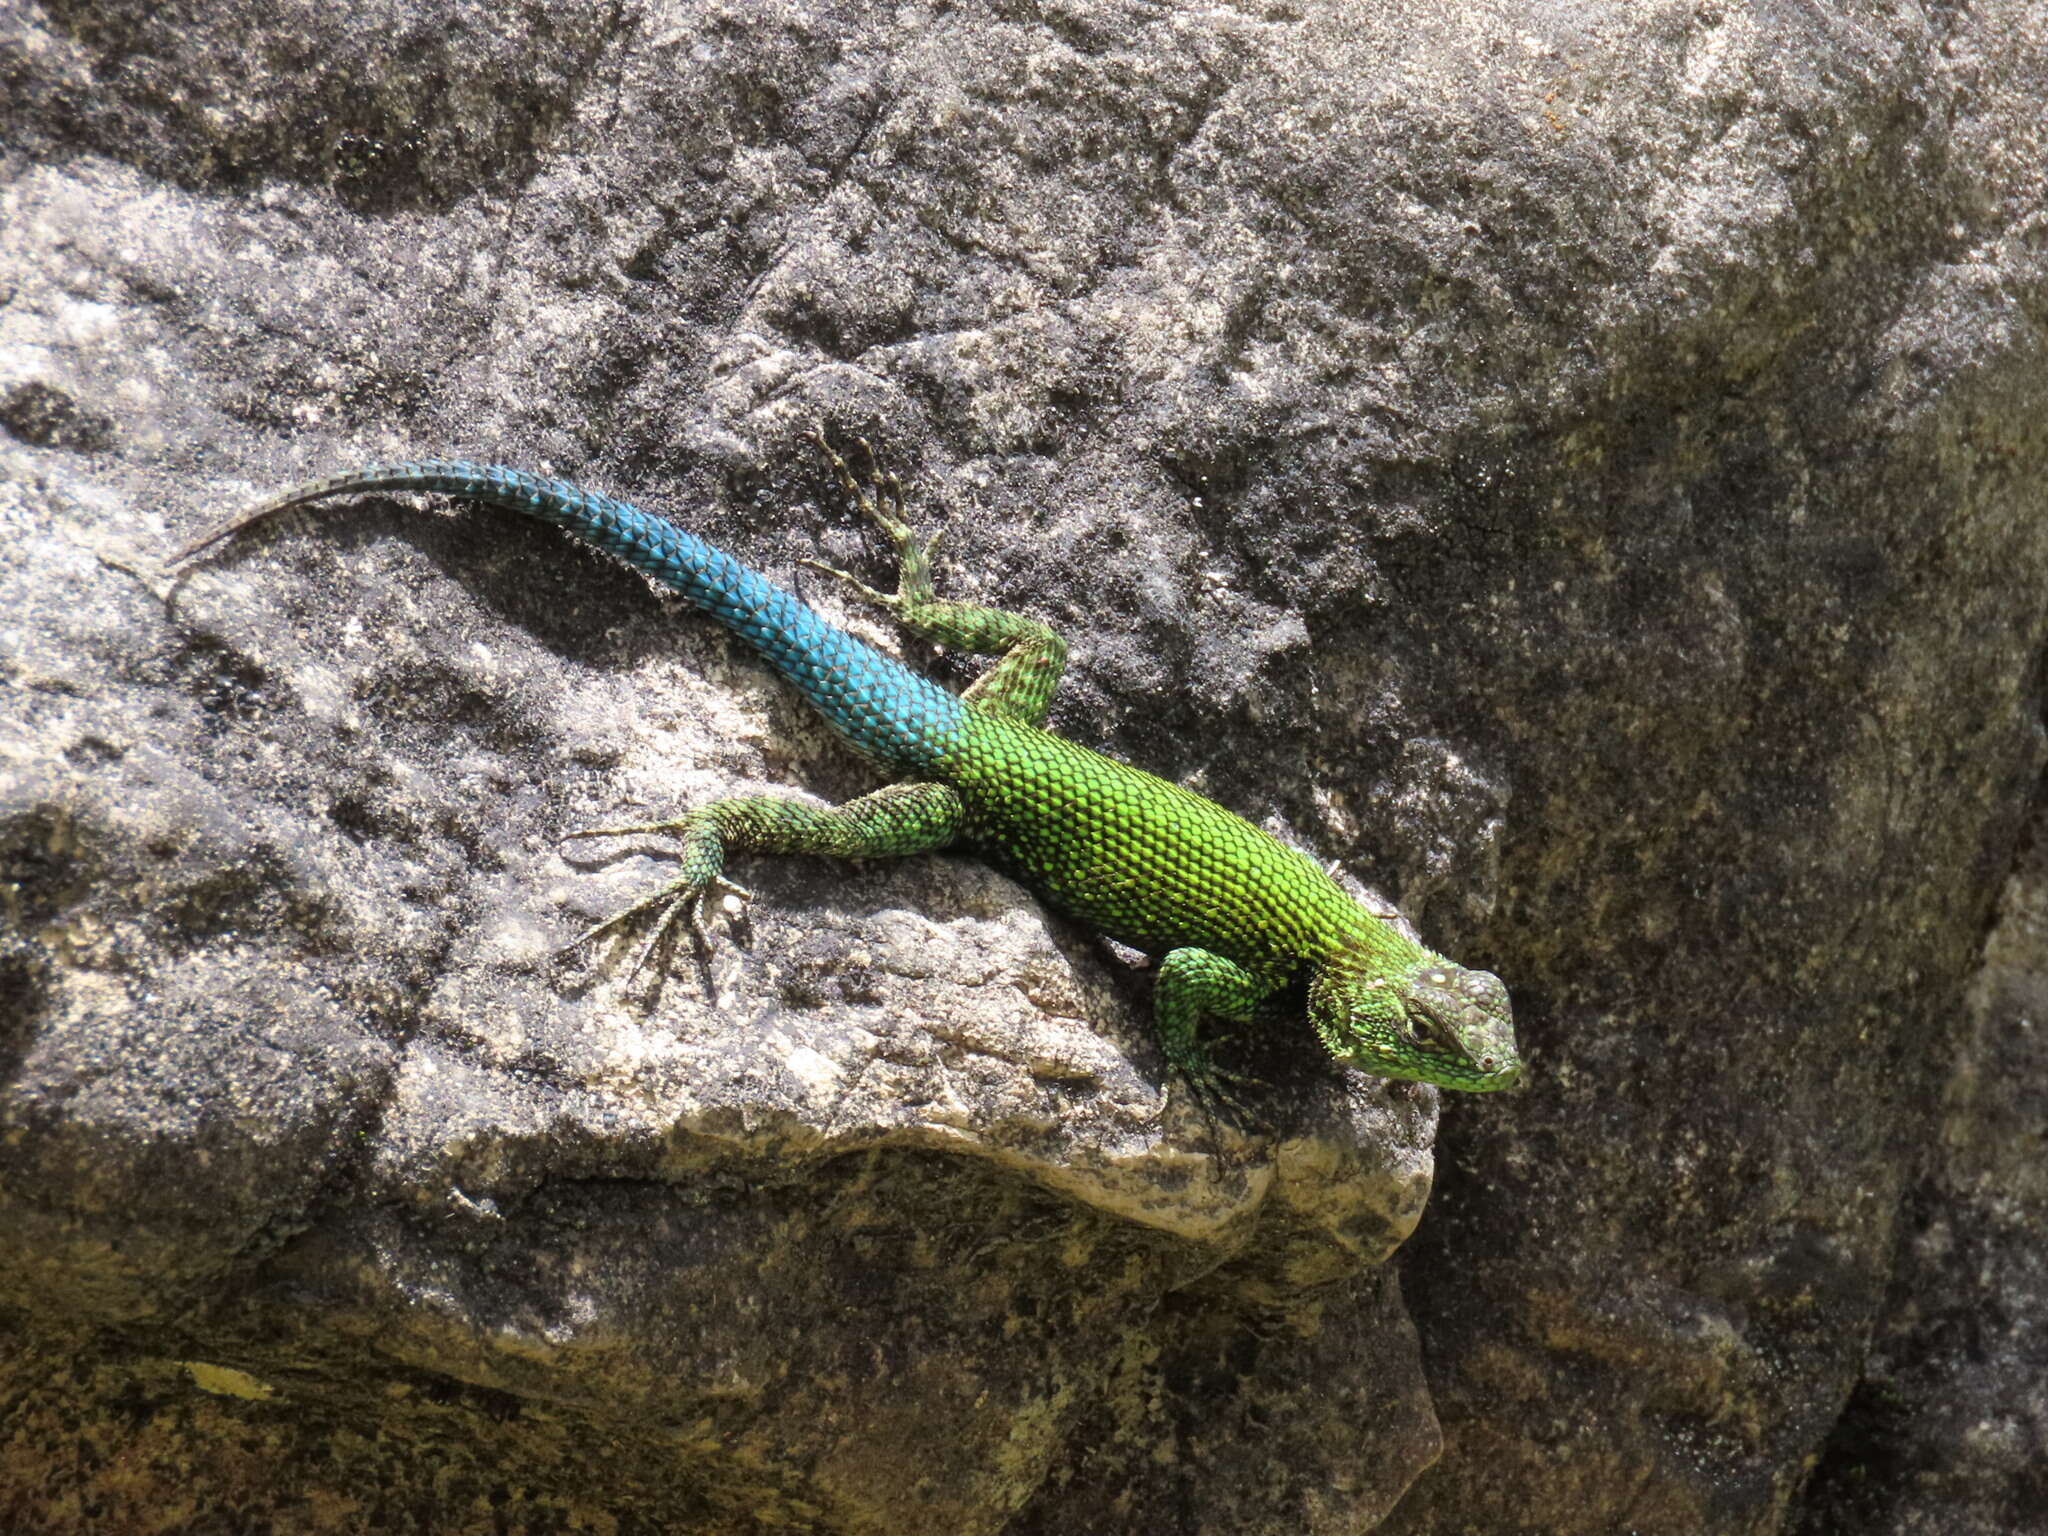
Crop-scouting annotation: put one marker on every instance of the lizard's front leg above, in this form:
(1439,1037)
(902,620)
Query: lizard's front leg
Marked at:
(1193,983)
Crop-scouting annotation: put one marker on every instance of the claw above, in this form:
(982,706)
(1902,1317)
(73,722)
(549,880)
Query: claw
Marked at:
(678,899)
(880,498)
(667,894)
(880,599)
(658,941)
(883,500)
(846,480)
(638,831)
(1218,1093)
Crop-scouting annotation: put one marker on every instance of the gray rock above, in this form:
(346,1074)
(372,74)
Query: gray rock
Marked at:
(1947,1432)
(1582,468)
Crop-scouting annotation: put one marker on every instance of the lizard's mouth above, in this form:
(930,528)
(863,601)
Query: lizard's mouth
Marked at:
(1488,1072)
(1491,1076)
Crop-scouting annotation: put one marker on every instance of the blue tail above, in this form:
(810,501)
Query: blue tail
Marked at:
(876,703)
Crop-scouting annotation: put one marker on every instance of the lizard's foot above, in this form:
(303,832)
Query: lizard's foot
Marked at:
(681,900)
(888,600)
(881,501)
(1220,1094)
(880,497)
(642,829)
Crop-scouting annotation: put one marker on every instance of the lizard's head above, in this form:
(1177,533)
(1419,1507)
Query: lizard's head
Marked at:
(1433,1022)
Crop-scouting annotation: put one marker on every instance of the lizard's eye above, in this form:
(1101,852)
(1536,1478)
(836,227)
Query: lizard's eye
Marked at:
(1419,1031)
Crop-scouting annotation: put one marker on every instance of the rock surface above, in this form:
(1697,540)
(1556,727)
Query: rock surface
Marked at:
(1586,468)
(1947,1432)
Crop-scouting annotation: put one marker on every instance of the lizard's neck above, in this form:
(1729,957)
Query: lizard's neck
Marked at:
(1357,943)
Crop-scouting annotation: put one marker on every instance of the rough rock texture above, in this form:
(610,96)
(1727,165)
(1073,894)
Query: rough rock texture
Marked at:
(1584,467)
(1947,1433)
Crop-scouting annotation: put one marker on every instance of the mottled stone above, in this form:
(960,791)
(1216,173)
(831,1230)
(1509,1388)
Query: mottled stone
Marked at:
(1584,467)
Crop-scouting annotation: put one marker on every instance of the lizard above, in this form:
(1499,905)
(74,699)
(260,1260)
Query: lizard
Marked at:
(1237,921)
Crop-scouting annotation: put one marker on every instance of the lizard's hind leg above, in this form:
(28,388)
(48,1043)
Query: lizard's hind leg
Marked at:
(899,819)
(1019,686)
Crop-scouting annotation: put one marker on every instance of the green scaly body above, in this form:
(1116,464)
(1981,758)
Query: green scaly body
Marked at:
(1236,917)
(1147,862)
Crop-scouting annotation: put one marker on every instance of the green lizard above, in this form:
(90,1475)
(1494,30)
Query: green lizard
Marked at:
(1236,918)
